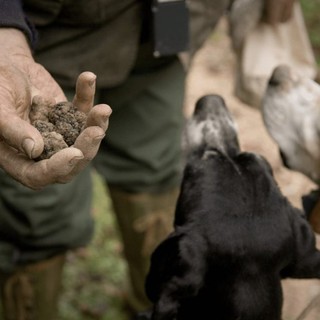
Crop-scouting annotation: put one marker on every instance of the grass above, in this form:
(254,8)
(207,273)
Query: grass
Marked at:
(94,279)
(311,10)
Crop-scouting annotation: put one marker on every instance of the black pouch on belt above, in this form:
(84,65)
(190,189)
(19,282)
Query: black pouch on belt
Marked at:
(170,27)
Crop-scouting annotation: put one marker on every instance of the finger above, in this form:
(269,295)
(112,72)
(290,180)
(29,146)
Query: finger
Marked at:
(99,116)
(58,168)
(85,91)
(37,175)
(21,135)
(54,170)
(88,142)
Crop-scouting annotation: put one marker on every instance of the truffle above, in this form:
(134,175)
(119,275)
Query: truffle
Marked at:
(59,124)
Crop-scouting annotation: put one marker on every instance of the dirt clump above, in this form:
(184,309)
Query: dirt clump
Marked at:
(59,124)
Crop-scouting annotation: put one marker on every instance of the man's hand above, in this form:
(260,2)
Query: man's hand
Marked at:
(20,80)
(276,11)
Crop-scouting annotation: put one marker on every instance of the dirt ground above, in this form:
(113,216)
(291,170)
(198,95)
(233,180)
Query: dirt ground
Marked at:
(213,72)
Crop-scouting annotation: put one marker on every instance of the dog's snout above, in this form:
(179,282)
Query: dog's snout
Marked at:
(208,105)
(211,127)
(279,75)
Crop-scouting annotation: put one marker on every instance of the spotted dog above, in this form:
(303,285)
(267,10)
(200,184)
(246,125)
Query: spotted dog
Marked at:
(235,235)
(291,113)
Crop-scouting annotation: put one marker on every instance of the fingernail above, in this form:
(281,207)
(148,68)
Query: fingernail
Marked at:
(75,160)
(106,117)
(104,123)
(92,82)
(98,139)
(28,146)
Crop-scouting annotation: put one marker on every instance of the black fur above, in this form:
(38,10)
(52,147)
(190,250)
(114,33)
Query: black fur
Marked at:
(235,235)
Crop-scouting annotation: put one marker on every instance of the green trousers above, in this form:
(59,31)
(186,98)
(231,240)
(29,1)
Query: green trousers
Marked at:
(140,155)
(140,161)
(142,148)
(37,225)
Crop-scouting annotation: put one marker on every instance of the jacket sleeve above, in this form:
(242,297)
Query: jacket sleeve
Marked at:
(13,16)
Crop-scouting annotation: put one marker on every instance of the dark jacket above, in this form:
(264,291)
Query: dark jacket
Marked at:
(102,36)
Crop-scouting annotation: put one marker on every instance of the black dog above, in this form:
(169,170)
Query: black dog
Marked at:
(236,236)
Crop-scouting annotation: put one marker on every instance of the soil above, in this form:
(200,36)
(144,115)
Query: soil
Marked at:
(213,73)
(59,124)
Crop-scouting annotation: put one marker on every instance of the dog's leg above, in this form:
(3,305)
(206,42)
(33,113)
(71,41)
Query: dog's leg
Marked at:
(178,268)
(315,217)
(305,256)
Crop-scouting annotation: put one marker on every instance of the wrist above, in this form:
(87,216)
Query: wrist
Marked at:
(13,43)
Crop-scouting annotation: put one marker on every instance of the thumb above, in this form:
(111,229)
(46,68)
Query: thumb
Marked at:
(21,135)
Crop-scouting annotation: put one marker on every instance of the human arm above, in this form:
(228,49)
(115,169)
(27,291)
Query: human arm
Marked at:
(276,11)
(245,15)
(21,78)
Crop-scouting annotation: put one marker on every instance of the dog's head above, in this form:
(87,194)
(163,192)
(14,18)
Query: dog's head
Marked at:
(288,100)
(291,113)
(216,170)
(211,128)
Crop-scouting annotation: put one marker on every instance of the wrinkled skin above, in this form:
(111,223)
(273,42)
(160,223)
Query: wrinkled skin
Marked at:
(21,79)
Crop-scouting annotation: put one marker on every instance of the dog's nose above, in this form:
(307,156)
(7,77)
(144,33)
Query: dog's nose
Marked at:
(209,104)
(279,75)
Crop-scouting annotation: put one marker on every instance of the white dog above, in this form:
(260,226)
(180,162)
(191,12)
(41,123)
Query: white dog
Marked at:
(291,113)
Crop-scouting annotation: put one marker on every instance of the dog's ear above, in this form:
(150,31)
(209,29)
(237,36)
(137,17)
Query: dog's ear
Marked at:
(177,272)
(161,267)
(211,127)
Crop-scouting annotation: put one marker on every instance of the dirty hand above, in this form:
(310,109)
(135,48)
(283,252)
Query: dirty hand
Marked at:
(276,11)
(20,143)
